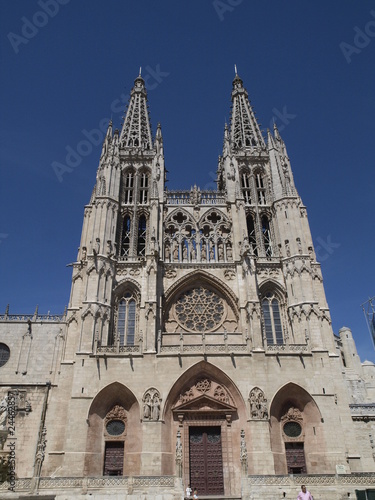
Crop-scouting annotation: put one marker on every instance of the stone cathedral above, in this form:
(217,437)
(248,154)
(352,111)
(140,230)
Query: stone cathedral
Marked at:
(197,345)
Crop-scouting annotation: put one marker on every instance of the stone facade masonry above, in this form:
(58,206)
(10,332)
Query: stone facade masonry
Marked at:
(197,344)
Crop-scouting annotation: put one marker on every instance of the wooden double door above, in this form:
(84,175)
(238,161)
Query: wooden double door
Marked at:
(295,458)
(206,460)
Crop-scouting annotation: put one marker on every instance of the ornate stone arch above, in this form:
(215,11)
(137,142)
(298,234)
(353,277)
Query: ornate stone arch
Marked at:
(275,324)
(215,309)
(204,397)
(113,402)
(206,277)
(304,432)
(126,301)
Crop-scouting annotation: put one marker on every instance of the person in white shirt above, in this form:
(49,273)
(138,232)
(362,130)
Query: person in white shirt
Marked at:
(304,494)
(188,491)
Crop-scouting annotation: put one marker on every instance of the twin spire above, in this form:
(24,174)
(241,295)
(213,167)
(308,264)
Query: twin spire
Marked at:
(245,133)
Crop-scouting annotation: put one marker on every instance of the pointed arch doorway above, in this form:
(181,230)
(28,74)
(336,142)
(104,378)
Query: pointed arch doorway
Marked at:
(205,412)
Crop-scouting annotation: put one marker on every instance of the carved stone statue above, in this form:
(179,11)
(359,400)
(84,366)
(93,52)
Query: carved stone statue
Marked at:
(221,252)
(175,252)
(155,408)
(229,252)
(258,404)
(147,407)
(204,251)
(167,251)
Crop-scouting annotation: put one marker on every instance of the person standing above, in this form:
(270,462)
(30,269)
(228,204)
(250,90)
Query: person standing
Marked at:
(304,494)
(188,491)
(195,496)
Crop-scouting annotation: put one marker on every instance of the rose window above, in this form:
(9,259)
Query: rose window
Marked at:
(199,310)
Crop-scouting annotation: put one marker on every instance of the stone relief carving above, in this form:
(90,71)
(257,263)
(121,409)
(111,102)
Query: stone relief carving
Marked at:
(208,387)
(258,404)
(151,405)
(117,413)
(292,415)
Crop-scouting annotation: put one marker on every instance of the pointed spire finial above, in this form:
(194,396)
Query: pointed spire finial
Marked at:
(140,70)
(235,69)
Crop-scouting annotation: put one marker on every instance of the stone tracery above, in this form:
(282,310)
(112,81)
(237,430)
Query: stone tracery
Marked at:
(208,240)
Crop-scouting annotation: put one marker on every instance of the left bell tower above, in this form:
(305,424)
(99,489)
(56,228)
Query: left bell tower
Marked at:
(108,309)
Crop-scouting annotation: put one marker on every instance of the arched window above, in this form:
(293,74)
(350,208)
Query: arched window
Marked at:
(129,187)
(251,234)
(245,186)
(125,237)
(272,319)
(260,190)
(142,226)
(266,236)
(143,191)
(126,319)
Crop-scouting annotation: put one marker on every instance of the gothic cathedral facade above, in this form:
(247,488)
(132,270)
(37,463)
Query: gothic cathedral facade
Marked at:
(197,346)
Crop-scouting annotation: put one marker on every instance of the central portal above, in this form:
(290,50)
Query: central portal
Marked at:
(206,460)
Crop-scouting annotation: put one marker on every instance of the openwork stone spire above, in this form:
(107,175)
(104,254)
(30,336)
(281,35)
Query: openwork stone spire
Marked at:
(245,131)
(136,131)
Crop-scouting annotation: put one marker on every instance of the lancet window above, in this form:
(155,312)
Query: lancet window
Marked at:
(266,232)
(142,233)
(129,188)
(207,241)
(126,316)
(272,319)
(143,189)
(261,190)
(246,187)
(125,236)
(251,235)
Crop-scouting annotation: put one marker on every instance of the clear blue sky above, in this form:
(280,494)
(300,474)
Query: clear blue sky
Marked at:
(64,72)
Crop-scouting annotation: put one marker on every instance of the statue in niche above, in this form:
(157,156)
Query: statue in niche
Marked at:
(212,252)
(184,251)
(147,407)
(155,407)
(175,252)
(221,252)
(193,253)
(229,252)
(204,251)
(151,405)
(258,404)
(167,251)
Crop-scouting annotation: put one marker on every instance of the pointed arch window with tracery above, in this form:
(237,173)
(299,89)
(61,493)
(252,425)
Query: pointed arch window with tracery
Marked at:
(129,188)
(246,186)
(125,236)
(143,188)
(272,319)
(261,190)
(251,234)
(266,233)
(126,319)
(142,234)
